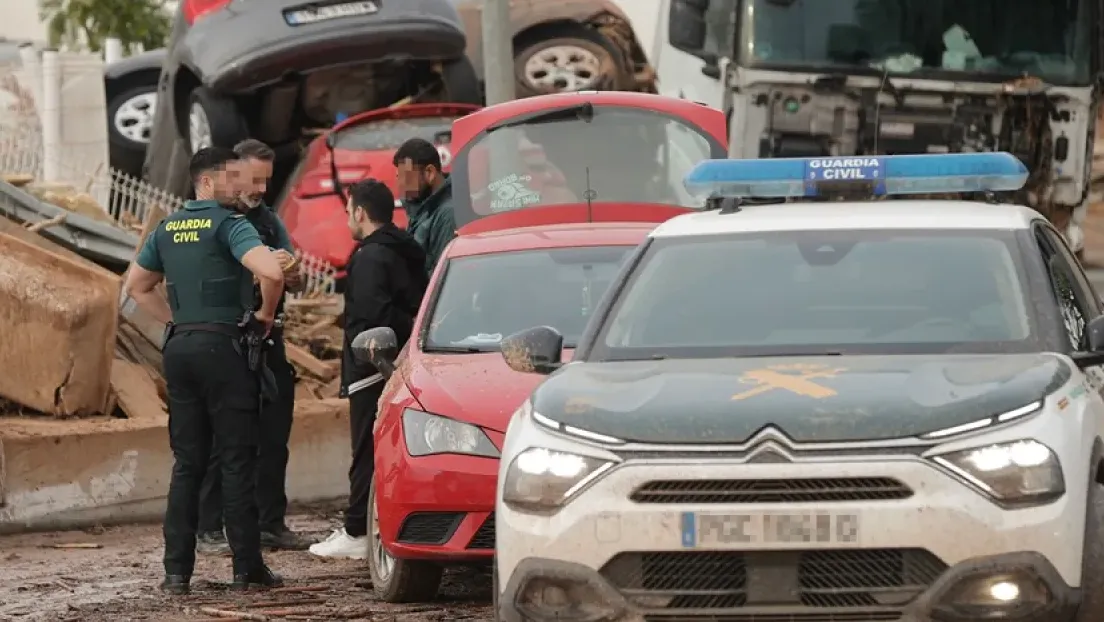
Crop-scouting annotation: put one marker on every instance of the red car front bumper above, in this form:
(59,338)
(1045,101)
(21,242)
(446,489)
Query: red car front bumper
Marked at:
(435,507)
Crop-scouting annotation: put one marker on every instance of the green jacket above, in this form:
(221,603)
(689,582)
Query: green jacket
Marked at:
(199,250)
(432,223)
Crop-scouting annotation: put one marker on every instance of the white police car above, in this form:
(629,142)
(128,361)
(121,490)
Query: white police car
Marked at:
(819,411)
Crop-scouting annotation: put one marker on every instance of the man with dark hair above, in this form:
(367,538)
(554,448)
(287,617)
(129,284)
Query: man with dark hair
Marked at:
(278,411)
(427,197)
(205,254)
(385,284)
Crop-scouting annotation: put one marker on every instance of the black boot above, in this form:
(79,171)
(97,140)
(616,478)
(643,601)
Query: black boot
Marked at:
(176,584)
(285,539)
(261,577)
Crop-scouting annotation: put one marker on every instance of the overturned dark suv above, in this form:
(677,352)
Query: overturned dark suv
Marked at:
(278,70)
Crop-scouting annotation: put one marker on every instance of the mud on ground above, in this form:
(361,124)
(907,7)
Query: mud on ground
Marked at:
(41,580)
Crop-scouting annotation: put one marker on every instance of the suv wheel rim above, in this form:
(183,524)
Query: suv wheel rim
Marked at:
(134,117)
(199,128)
(385,564)
(563,68)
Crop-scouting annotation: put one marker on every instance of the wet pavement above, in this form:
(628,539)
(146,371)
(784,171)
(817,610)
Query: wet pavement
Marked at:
(111,574)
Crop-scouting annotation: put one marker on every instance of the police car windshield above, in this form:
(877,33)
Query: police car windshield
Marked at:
(487,297)
(624,155)
(823,292)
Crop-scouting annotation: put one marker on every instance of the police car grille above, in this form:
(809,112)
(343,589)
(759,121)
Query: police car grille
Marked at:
(429,527)
(484,538)
(733,586)
(793,490)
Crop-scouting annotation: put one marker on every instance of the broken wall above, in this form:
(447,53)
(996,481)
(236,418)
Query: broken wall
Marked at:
(58,320)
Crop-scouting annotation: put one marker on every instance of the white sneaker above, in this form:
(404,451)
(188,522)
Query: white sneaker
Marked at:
(341,544)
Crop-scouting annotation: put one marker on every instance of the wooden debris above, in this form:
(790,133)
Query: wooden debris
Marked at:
(293,602)
(308,363)
(75,545)
(233,615)
(136,390)
(46,224)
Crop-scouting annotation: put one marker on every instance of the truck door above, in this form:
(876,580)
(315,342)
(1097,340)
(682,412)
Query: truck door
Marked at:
(698,42)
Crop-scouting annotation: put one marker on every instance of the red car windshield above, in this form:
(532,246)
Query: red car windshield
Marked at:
(386,134)
(484,298)
(617,154)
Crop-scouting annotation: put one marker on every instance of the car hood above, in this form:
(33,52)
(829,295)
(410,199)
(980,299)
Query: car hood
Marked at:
(475,388)
(820,399)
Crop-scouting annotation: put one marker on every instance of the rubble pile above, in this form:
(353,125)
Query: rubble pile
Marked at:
(73,352)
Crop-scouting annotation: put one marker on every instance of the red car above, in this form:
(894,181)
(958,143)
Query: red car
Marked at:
(532,250)
(361,146)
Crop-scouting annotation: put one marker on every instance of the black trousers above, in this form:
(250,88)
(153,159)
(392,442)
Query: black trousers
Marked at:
(272,455)
(212,395)
(362,418)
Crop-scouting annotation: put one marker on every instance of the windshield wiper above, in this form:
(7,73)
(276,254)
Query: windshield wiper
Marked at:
(457,349)
(583,112)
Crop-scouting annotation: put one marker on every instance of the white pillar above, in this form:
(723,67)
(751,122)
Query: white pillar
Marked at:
(32,72)
(113,50)
(50,114)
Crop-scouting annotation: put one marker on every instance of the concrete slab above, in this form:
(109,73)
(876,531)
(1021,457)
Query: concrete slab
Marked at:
(102,470)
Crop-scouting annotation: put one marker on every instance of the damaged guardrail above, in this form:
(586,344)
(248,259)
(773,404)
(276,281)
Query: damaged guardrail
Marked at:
(98,241)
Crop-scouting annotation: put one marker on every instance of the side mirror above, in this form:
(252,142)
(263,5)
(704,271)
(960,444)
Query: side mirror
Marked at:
(534,350)
(686,25)
(377,347)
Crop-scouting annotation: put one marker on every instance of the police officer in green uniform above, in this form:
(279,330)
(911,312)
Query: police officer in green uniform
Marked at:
(208,253)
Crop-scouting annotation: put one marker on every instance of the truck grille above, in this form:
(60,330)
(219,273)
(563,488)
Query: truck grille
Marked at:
(772,490)
(798,586)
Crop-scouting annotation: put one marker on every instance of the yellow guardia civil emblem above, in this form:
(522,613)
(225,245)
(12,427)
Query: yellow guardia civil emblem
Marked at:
(796,378)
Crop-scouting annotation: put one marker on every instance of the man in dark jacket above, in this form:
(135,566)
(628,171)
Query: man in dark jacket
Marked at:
(276,418)
(385,282)
(427,197)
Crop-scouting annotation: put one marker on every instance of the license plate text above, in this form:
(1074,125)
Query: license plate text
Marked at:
(724,530)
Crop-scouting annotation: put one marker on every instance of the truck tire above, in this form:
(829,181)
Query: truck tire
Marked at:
(213,121)
(1092,565)
(397,580)
(568,57)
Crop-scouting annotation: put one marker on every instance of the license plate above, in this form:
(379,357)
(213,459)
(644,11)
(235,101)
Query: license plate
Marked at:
(727,530)
(311,15)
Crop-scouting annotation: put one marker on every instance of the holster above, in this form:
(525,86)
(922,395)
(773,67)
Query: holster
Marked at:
(256,355)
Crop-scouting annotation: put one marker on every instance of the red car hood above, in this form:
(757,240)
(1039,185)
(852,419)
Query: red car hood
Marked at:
(475,388)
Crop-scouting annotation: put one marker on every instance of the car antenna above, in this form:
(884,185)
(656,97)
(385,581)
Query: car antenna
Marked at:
(589,196)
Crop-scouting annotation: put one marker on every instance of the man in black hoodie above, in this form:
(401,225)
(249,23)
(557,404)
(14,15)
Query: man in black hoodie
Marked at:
(385,282)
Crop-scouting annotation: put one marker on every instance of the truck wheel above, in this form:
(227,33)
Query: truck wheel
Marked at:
(397,580)
(566,58)
(461,82)
(1092,565)
(213,121)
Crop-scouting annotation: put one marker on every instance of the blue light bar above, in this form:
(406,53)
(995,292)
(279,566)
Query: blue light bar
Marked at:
(877,175)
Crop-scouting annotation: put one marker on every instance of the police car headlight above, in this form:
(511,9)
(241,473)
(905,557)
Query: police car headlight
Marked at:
(1023,471)
(542,479)
(428,434)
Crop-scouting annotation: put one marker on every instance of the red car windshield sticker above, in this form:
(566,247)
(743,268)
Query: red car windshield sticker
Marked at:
(512,192)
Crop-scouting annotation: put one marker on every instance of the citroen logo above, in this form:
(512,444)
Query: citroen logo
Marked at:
(767,453)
